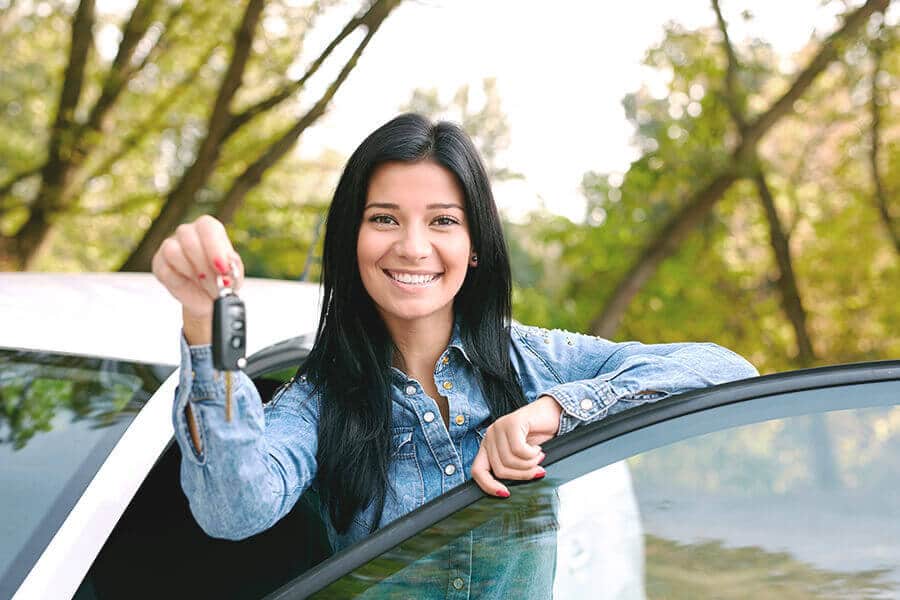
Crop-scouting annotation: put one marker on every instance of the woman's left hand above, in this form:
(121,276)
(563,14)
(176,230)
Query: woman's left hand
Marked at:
(511,447)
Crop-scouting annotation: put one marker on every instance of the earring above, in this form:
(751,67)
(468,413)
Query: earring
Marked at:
(475,258)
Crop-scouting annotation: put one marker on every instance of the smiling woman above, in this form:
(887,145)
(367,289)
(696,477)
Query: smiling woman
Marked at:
(415,325)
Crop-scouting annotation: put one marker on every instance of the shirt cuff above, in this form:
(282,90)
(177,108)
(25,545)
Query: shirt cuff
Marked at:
(582,402)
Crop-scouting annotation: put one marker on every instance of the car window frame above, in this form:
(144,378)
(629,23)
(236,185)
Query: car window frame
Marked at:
(574,447)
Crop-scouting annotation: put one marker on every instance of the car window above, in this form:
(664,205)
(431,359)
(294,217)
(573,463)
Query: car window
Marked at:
(60,415)
(157,542)
(790,494)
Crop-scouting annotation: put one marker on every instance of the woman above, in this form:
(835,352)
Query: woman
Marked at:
(417,379)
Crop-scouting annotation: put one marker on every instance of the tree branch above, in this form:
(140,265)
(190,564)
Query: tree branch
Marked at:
(877,183)
(732,97)
(827,53)
(680,225)
(179,199)
(140,131)
(121,70)
(252,175)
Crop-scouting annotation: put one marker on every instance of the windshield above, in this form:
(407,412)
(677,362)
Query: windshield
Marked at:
(60,415)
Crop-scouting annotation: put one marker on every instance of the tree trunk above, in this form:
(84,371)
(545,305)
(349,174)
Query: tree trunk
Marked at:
(181,198)
(72,142)
(823,455)
(55,173)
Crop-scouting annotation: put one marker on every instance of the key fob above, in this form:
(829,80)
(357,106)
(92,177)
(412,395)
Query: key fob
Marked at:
(229,333)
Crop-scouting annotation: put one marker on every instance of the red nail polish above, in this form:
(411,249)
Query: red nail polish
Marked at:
(202,275)
(221,267)
(226,281)
(503,493)
(540,474)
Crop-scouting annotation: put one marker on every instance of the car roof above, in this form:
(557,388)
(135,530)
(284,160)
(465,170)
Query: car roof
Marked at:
(131,316)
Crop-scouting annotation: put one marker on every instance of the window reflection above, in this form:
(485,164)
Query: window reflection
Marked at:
(60,415)
(801,506)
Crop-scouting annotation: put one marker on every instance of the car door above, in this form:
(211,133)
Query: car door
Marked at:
(776,486)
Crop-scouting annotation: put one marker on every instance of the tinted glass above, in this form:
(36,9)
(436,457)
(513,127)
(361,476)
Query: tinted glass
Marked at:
(157,534)
(734,501)
(59,418)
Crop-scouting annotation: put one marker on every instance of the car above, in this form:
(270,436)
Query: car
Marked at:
(777,485)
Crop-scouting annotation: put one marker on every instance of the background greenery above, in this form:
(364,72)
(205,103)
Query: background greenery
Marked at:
(761,213)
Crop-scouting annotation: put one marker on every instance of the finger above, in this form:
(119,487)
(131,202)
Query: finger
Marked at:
(502,469)
(216,243)
(507,457)
(238,271)
(184,290)
(517,438)
(482,476)
(192,247)
(173,256)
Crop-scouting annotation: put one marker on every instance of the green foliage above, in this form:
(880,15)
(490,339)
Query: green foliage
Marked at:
(721,285)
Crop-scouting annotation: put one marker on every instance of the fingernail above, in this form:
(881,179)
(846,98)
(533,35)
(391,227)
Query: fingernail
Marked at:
(226,281)
(540,474)
(543,456)
(503,493)
(202,275)
(221,267)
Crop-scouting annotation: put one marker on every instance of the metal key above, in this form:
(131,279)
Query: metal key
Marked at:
(229,329)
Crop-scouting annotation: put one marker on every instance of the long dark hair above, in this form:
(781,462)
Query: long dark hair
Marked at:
(349,364)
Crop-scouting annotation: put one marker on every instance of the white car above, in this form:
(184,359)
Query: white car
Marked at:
(782,485)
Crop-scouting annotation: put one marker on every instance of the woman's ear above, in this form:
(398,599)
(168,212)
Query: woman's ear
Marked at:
(473,261)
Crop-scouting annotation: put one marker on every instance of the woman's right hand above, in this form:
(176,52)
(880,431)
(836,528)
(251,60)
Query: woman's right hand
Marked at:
(188,262)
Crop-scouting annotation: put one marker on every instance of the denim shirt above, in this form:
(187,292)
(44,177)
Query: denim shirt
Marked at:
(251,471)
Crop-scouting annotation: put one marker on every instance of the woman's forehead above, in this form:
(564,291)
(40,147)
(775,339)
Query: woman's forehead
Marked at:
(414,186)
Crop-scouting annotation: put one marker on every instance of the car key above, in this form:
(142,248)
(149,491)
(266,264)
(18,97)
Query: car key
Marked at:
(229,329)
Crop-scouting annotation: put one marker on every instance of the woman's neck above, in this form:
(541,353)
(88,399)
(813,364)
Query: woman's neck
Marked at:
(420,342)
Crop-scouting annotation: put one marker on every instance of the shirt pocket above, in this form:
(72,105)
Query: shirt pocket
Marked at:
(406,487)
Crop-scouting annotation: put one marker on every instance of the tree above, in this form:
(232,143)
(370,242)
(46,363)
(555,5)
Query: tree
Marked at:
(700,200)
(222,148)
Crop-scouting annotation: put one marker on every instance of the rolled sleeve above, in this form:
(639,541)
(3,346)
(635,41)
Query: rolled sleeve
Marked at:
(592,378)
(250,470)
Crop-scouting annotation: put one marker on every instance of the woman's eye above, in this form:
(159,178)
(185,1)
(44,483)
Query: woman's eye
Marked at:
(446,221)
(382,219)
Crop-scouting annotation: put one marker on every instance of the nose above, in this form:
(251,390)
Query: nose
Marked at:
(413,244)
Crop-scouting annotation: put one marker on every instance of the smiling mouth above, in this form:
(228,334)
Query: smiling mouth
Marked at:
(412,280)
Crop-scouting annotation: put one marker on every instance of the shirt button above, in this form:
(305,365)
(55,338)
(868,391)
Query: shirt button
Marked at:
(429,417)
(410,390)
(445,360)
(449,469)
(460,419)
(586,404)
(447,385)
(458,583)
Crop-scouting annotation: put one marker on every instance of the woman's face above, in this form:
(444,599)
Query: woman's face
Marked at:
(413,248)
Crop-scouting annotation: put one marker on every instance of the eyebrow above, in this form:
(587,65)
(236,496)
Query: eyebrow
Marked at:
(397,207)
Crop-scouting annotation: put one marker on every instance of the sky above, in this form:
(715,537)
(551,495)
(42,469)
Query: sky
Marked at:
(562,69)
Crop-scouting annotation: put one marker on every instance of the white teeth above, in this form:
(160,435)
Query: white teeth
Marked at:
(414,279)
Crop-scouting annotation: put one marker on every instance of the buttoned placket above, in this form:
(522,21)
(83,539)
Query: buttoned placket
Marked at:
(440,439)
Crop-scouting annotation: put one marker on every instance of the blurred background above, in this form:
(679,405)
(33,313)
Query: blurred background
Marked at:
(711,171)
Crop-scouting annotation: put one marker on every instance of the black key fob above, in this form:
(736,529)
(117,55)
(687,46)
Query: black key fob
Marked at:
(229,332)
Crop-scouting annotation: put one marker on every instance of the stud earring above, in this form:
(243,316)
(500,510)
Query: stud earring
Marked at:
(475,259)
